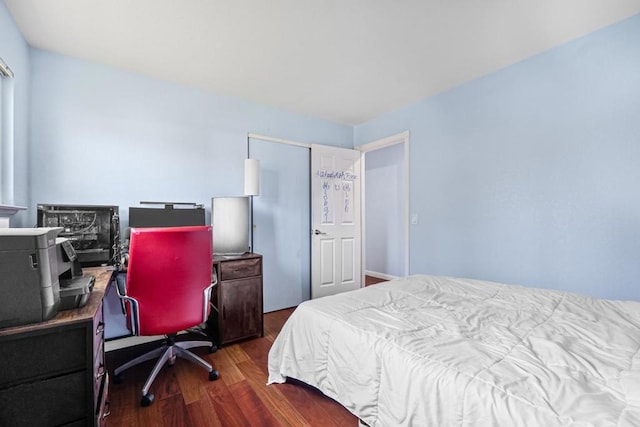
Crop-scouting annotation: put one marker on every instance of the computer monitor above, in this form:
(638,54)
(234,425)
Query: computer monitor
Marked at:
(230,220)
(166,217)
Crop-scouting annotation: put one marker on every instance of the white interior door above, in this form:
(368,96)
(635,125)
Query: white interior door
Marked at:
(335,220)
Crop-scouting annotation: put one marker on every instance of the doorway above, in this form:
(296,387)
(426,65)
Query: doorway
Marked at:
(386,208)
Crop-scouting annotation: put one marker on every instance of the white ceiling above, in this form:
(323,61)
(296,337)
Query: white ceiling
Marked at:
(347,61)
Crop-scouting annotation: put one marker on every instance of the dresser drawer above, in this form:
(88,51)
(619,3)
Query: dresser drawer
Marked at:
(240,268)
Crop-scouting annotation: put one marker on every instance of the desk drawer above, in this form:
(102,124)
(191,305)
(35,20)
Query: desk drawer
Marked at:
(237,269)
(42,355)
(50,402)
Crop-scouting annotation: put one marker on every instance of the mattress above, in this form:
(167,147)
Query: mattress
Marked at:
(441,351)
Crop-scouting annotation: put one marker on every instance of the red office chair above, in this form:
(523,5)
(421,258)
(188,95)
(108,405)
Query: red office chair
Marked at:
(168,288)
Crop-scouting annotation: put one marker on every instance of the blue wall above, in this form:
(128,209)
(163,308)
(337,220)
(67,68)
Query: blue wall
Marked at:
(101,135)
(15,52)
(531,175)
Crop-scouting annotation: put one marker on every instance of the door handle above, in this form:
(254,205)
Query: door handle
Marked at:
(317,232)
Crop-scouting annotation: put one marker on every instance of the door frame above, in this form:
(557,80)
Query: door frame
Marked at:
(400,138)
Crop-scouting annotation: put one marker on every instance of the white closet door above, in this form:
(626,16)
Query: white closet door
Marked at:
(281,218)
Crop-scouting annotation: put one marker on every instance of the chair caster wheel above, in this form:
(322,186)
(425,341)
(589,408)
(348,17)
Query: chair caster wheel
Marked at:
(213,375)
(213,349)
(117,379)
(147,400)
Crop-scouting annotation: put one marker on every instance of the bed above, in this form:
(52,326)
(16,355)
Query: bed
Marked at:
(441,351)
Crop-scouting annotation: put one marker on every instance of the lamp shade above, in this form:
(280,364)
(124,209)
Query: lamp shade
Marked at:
(251,177)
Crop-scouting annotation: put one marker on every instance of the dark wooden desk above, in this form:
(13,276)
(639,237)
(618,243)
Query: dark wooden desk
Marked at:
(53,372)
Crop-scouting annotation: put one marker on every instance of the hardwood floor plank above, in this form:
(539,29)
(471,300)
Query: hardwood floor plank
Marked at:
(236,353)
(316,407)
(190,377)
(251,405)
(150,416)
(202,414)
(225,406)
(258,351)
(274,321)
(120,398)
(229,372)
(174,412)
(370,280)
(166,383)
(278,405)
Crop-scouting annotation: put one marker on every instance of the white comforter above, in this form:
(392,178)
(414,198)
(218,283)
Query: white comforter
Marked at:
(437,351)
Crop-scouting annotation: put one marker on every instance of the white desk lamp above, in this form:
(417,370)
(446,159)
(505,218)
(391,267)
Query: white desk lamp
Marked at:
(251,188)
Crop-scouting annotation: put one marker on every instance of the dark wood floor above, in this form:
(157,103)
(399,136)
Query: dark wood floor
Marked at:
(185,397)
(370,280)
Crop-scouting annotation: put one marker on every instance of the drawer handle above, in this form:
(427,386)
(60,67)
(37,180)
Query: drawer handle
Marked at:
(100,328)
(101,372)
(107,409)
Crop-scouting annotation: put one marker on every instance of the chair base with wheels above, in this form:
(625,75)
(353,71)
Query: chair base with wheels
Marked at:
(167,354)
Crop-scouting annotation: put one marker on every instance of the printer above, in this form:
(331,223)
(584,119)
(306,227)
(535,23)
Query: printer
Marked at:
(74,286)
(33,266)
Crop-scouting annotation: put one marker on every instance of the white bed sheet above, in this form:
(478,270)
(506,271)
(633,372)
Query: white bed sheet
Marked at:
(438,351)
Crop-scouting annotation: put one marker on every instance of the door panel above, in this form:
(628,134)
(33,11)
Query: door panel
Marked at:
(348,260)
(327,261)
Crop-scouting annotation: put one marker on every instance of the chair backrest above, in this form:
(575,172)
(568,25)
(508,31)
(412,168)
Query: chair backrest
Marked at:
(169,269)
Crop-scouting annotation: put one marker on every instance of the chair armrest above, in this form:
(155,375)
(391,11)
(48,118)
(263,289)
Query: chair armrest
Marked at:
(121,289)
(134,319)
(207,294)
